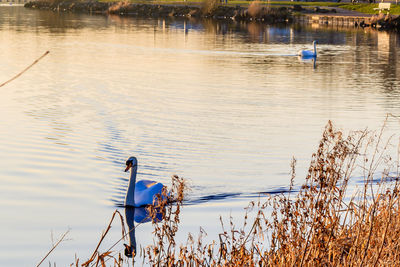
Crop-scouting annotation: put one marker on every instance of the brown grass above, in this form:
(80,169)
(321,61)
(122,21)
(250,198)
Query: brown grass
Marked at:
(255,8)
(321,224)
(208,6)
(118,7)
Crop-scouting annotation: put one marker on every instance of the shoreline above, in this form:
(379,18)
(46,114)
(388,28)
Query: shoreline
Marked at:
(211,9)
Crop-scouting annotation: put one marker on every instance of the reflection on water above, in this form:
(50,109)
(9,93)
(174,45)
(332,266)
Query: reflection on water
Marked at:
(139,215)
(225,105)
(311,61)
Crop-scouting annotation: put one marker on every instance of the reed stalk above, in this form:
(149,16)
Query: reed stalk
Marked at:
(317,224)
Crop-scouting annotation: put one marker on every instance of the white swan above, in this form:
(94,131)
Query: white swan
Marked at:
(143,192)
(308,53)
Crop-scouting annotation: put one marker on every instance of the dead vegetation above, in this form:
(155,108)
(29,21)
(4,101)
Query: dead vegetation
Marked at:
(24,70)
(255,8)
(319,224)
(209,6)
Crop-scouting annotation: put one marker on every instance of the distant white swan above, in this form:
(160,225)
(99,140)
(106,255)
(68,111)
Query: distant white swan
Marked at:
(308,53)
(143,192)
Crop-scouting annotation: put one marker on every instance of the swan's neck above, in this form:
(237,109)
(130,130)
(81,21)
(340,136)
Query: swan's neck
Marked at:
(315,48)
(130,193)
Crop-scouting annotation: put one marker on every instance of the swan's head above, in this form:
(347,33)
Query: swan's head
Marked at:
(129,251)
(131,163)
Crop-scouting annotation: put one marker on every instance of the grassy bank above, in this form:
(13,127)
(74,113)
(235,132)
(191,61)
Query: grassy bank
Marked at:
(320,223)
(369,8)
(235,2)
(359,7)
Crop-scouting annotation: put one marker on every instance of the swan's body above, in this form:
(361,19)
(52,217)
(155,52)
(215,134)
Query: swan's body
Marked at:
(145,192)
(308,53)
(140,193)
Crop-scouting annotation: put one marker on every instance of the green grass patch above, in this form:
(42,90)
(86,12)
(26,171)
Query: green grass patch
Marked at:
(289,3)
(369,8)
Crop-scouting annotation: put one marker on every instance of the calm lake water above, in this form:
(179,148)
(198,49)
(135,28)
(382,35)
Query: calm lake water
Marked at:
(224,105)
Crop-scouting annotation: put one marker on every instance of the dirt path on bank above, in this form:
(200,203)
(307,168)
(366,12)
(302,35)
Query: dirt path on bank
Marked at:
(340,12)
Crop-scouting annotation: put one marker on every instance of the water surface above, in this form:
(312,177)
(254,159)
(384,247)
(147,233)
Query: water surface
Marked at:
(224,105)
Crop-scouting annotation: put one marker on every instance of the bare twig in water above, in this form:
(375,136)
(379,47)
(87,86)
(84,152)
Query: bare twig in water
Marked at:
(27,68)
(102,238)
(51,250)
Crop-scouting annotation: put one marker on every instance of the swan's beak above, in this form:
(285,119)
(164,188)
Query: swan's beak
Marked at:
(128,167)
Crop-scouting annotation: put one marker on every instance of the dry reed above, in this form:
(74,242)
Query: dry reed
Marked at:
(320,224)
(24,70)
(119,7)
(255,8)
(53,248)
(208,6)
